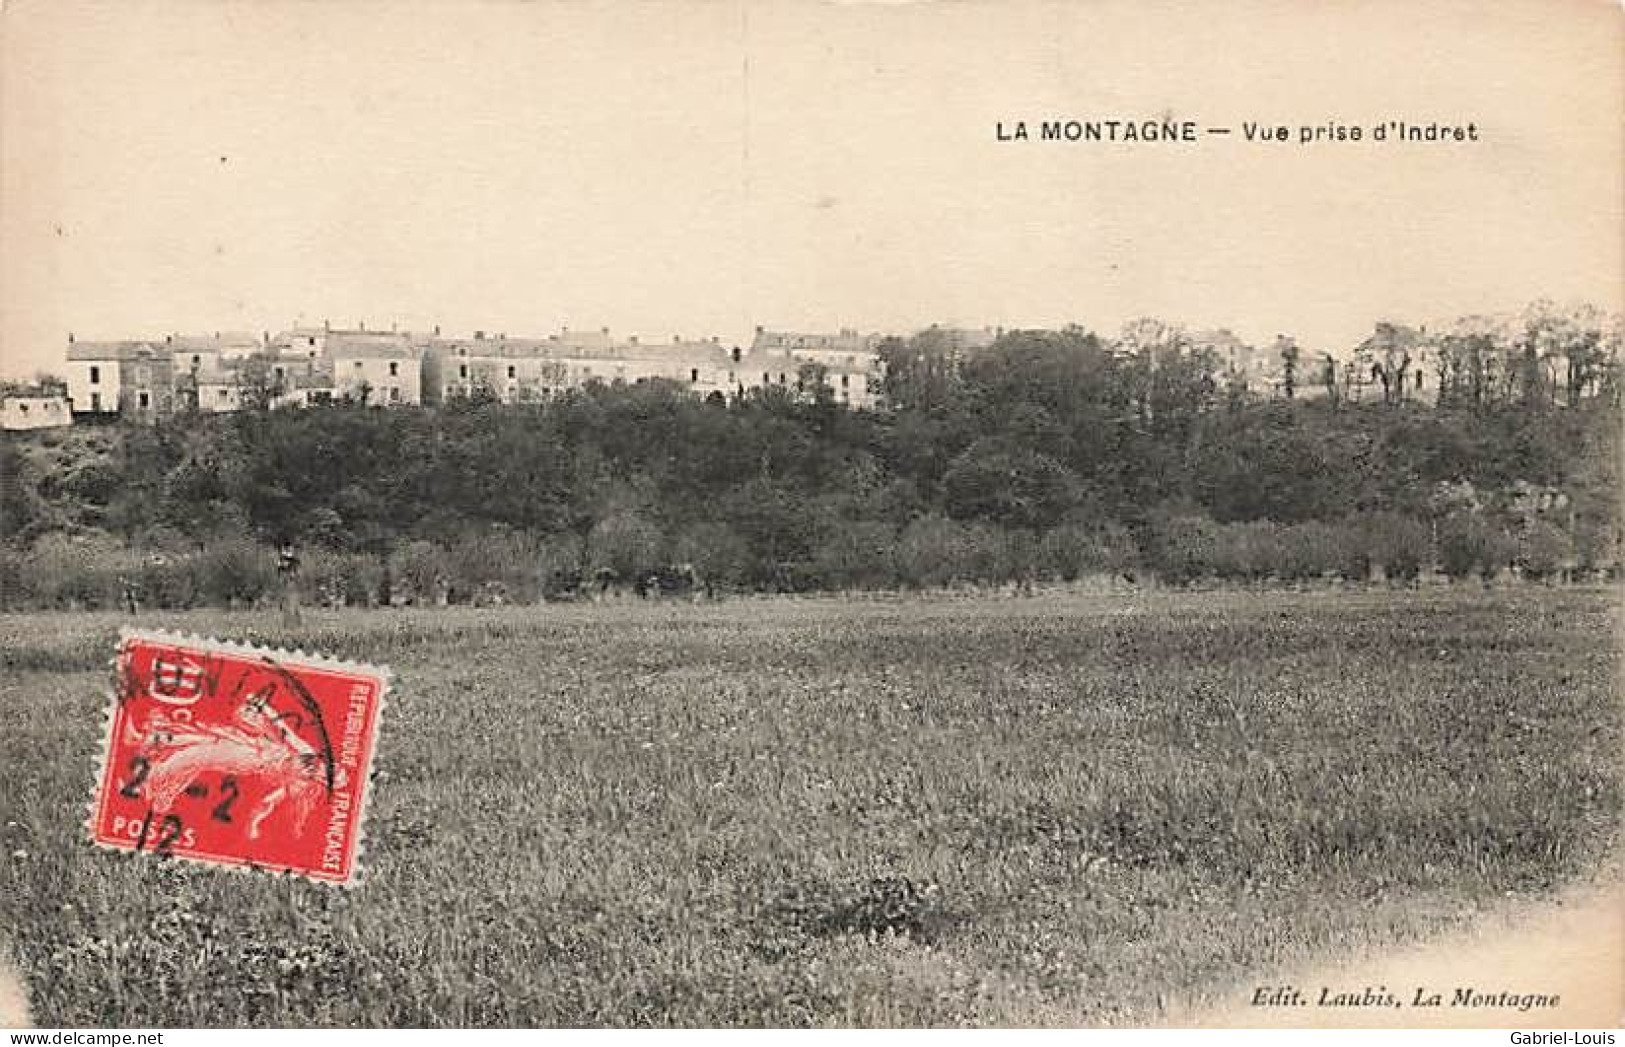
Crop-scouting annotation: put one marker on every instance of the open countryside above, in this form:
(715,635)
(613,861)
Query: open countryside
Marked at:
(1070,808)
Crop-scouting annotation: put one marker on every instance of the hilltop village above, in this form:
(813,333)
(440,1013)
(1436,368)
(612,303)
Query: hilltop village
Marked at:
(145,379)
(307,366)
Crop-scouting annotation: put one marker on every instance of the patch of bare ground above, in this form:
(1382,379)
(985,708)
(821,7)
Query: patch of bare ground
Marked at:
(1548,964)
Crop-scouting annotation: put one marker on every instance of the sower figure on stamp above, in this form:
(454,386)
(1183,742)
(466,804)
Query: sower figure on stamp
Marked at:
(287,565)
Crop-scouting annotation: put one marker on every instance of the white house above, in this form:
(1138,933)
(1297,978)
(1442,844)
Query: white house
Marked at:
(34,412)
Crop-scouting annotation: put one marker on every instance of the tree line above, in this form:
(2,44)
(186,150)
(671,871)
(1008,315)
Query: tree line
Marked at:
(1047,455)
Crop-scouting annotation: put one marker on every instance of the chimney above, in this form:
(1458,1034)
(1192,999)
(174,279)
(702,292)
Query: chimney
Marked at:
(605,330)
(758,328)
(479,336)
(265,336)
(633,339)
(326,326)
(70,337)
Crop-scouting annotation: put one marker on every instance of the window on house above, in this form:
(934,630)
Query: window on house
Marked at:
(394,394)
(846,380)
(196,359)
(511,372)
(462,370)
(23,408)
(279,373)
(394,369)
(694,374)
(95,401)
(95,375)
(781,377)
(766,378)
(358,365)
(143,375)
(143,400)
(312,339)
(222,395)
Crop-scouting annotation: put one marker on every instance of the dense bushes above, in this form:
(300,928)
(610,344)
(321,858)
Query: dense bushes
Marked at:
(62,573)
(236,571)
(1546,551)
(929,552)
(1469,545)
(1190,548)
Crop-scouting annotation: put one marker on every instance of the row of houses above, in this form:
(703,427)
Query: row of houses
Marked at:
(304,366)
(145,379)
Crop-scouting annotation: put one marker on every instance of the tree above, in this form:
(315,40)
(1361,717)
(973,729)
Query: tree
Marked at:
(1470,544)
(921,373)
(1396,543)
(1328,377)
(1287,349)
(260,383)
(22,512)
(1575,346)
(1002,482)
(717,552)
(1390,347)
(625,543)
(1546,551)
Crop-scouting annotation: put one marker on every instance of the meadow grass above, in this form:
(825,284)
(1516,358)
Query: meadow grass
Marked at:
(1067,809)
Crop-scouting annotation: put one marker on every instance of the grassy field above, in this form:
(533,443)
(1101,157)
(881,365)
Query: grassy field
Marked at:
(1066,809)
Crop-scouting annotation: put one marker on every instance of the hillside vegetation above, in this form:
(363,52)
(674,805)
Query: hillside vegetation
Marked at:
(1046,456)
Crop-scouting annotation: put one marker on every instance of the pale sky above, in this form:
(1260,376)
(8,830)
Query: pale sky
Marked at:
(697,168)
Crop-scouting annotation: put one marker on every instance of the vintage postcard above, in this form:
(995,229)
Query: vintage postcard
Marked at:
(876,514)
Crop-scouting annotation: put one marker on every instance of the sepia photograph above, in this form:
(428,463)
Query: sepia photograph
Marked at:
(811,514)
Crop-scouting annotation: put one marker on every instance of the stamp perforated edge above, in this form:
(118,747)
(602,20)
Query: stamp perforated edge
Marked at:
(282,655)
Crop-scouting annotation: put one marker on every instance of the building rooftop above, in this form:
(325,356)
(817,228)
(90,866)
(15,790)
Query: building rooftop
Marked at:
(846,340)
(215,342)
(33,396)
(132,350)
(349,348)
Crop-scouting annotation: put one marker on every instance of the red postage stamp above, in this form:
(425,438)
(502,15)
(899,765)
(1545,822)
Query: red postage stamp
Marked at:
(238,755)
